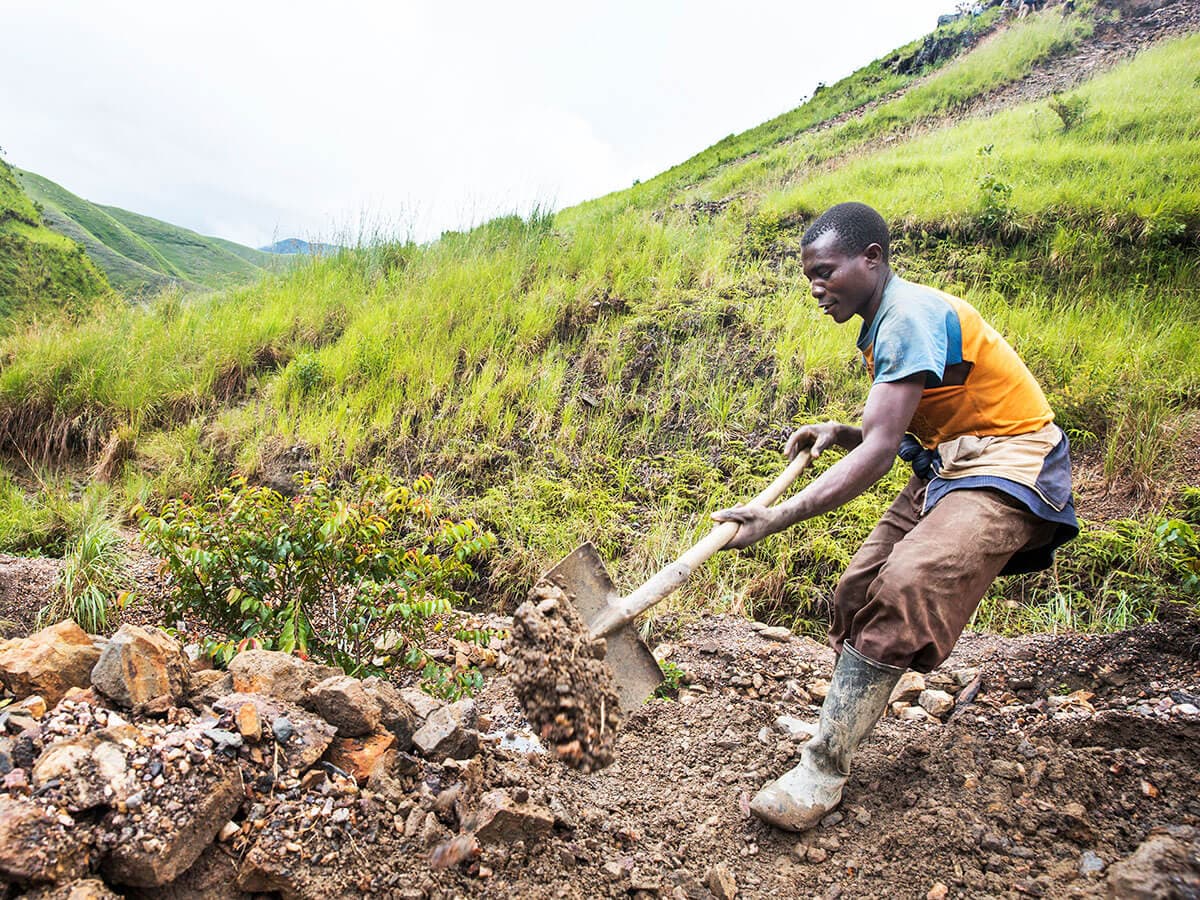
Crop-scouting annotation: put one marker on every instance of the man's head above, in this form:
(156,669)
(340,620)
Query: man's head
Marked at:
(845,254)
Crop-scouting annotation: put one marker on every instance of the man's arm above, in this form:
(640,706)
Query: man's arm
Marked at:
(890,407)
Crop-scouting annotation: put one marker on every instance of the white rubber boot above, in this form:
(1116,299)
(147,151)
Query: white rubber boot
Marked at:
(858,695)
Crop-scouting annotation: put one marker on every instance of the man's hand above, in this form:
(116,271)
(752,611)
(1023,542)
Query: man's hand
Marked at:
(756,523)
(821,437)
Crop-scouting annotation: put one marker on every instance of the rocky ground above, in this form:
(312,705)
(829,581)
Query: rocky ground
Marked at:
(1051,766)
(26,584)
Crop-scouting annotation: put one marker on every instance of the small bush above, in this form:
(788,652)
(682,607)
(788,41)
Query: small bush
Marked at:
(995,197)
(673,677)
(352,576)
(1071,111)
(1112,577)
(95,568)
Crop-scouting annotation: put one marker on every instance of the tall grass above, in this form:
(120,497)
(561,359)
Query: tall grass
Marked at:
(94,573)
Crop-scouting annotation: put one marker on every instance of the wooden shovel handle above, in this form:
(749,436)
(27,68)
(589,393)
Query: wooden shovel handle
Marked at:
(667,579)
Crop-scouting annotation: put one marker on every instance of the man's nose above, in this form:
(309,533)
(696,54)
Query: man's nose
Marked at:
(818,290)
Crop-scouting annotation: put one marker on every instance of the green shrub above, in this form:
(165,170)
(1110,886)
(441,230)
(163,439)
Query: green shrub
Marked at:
(1071,111)
(353,576)
(1113,576)
(995,196)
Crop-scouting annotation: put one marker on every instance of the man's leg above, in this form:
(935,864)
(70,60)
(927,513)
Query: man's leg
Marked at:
(858,692)
(858,695)
(850,596)
(935,576)
(923,593)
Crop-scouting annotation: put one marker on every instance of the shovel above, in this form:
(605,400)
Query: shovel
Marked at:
(585,582)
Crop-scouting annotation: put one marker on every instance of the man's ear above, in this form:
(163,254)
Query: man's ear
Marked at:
(874,255)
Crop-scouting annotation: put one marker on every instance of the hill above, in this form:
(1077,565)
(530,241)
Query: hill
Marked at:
(139,253)
(39,268)
(615,371)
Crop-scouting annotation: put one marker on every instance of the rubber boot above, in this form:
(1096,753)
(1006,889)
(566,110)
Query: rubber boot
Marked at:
(858,695)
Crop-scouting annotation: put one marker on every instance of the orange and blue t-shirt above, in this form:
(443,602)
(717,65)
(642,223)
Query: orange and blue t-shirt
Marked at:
(982,412)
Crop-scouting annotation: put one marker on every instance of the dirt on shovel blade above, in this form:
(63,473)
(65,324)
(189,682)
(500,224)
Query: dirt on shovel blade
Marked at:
(562,680)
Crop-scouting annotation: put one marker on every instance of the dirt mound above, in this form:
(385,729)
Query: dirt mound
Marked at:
(562,681)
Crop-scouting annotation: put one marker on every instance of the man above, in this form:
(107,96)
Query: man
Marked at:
(990,493)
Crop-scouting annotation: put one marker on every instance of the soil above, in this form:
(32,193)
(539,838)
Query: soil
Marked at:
(562,680)
(26,585)
(1075,752)
(1016,795)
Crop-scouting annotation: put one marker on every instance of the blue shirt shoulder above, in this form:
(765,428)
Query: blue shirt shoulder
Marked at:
(915,331)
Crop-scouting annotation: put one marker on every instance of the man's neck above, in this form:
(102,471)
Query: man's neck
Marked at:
(872,308)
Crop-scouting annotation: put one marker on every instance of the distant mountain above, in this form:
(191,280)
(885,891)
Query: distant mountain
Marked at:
(294,246)
(140,253)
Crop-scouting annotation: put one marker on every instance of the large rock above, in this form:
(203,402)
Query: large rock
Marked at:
(908,688)
(449,731)
(936,703)
(36,848)
(396,713)
(142,668)
(345,704)
(91,769)
(502,819)
(359,756)
(278,674)
(1162,868)
(271,865)
(50,662)
(423,705)
(303,736)
(212,877)
(208,686)
(169,846)
(721,882)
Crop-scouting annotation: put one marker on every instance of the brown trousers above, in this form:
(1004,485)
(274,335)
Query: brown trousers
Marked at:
(912,587)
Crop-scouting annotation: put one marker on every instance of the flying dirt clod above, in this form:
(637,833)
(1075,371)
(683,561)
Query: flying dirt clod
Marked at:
(559,674)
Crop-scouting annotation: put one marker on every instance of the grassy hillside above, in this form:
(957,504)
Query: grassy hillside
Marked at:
(40,270)
(615,371)
(139,253)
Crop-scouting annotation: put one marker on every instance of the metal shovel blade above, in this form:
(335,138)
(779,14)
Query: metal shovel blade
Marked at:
(585,582)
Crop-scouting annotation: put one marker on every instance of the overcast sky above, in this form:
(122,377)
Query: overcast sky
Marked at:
(261,120)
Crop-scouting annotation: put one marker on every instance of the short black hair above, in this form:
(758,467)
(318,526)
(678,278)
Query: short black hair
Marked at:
(857,226)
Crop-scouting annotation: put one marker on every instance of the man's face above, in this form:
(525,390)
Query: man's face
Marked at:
(842,285)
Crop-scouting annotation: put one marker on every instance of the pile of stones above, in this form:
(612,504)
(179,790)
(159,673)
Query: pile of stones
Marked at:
(129,763)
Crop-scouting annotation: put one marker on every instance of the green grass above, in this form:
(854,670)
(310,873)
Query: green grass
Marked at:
(1133,166)
(94,570)
(875,80)
(617,371)
(1005,58)
(41,271)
